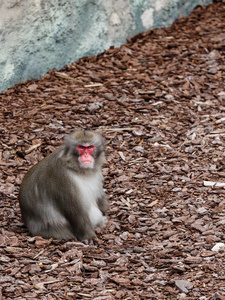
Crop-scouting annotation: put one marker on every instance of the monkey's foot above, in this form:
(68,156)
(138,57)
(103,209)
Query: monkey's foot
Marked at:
(90,243)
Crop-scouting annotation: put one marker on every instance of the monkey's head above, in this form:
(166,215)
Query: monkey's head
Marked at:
(86,148)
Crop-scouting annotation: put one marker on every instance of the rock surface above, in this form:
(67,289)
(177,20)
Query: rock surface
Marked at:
(37,36)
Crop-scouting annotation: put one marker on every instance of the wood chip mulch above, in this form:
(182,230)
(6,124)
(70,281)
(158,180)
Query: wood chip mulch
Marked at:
(159,101)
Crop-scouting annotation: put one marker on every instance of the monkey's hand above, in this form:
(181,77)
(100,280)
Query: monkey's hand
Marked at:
(104,222)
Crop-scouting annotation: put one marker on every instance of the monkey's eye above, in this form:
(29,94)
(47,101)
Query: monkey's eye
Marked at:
(83,148)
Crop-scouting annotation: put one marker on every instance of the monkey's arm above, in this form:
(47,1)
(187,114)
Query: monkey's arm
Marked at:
(103,203)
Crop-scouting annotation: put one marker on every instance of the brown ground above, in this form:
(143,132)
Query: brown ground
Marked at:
(160,102)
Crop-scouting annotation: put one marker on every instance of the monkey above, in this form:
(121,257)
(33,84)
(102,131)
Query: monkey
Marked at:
(62,196)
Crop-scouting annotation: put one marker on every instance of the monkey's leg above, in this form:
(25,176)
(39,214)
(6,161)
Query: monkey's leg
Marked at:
(58,229)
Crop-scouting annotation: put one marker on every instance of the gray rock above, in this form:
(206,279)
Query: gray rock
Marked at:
(183,285)
(37,36)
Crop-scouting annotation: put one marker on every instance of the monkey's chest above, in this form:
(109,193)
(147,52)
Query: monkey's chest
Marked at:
(88,191)
(88,188)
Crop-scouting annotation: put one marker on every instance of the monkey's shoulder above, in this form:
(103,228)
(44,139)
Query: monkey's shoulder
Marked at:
(44,167)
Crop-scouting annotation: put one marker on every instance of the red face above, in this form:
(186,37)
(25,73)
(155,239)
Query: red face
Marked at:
(86,151)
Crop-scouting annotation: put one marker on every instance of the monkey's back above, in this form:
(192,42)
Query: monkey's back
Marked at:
(39,199)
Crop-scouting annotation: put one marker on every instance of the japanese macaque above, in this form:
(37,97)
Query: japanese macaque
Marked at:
(62,196)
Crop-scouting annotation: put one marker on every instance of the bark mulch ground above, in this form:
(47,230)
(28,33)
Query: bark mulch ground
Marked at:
(159,101)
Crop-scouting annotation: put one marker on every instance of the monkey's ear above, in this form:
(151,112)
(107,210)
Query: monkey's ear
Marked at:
(71,139)
(67,139)
(68,145)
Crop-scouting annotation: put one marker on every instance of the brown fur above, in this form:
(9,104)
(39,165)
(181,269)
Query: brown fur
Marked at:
(59,198)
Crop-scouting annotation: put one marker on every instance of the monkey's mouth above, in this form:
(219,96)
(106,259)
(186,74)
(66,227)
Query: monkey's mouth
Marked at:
(86,162)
